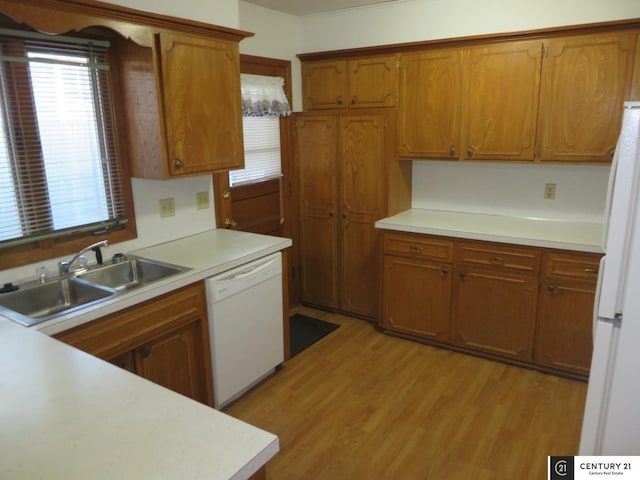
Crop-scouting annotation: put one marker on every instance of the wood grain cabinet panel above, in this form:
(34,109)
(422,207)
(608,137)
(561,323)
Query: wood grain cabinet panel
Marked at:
(165,340)
(585,81)
(564,327)
(501,85)
(430,104)
(365,82)
(416,291)
(342,165)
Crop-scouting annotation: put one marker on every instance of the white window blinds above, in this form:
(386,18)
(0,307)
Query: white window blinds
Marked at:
(59,170)
(261,151)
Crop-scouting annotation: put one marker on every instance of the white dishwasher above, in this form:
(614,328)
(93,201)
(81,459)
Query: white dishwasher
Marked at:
(245,326)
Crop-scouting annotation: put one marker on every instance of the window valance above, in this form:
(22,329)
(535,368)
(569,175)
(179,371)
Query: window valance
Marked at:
(263,96)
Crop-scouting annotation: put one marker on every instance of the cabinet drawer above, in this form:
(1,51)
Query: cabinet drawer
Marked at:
(496,256)
(575,267)
(419,246)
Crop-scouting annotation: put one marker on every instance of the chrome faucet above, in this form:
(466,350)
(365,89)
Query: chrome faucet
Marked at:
(64,267)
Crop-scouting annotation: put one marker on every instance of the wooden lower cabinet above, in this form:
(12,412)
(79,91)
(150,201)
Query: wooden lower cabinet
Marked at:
(564,328)
(494,312)
(165,340)
(523,304)
(417,297)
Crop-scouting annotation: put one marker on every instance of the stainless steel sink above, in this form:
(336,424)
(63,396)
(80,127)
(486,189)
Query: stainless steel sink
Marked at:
(132,273)
(37,302)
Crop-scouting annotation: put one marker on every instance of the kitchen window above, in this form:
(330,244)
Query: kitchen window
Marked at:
(60,165)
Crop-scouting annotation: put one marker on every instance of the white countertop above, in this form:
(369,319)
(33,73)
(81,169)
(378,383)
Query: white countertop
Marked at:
(67,415)
(577,236)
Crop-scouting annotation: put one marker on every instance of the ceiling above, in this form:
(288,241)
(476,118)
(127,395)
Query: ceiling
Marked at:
(308,7)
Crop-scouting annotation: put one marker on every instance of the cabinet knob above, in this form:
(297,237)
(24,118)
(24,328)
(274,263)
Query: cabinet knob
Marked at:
(470,152)
(178,165)
(354,100)
(230,223)
(552,288)
(452,152)
(345,215)
(226,194)
(331,214)
(339,101)
(444,271)
(463,275)
(146,352)
(415,248)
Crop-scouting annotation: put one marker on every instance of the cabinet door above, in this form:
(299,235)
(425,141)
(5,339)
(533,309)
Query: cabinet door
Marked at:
(494,312)
(175,361)
(362,194)
(417,297)
(325,84)
(200,84)
(430,104)
(126,361)
(564,338)
(316,154)
(373,82)
(585,81)
(501,85)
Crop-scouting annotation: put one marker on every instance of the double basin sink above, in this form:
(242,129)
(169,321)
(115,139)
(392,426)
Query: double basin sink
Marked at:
(36,302)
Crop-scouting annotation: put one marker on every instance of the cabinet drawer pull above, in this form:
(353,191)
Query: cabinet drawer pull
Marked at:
(444,271)
(552,288)
(146,352)
(470,152)
(452,152)
(416,249)
(463,275)
(354,100)
(178,165)
(590,270)
(495,259)
(339,100)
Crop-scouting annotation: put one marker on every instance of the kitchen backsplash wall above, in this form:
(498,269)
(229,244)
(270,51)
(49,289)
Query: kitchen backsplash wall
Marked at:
(517,189)
(152,229)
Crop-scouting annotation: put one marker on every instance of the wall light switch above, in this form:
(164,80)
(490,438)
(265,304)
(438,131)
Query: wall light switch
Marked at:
(167,207)
(549,191)
(202,200)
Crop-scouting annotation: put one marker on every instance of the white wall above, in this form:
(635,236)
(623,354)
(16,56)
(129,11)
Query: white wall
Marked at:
(277,35)
(216,12)
(416,20)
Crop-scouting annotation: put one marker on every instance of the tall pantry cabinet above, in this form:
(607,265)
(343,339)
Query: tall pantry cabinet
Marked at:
(342,162)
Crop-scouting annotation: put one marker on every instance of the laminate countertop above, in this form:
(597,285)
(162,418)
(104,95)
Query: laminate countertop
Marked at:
(68,415)
(536,232)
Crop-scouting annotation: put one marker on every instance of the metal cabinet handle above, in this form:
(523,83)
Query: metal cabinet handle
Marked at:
(495,259)
(444,271)
(590,270)
(339,100)
(331,214)
(463,275)
(452,152)
(177,165)
(354,100)
(470,152)
(552,288)
(416,249)
(230,223)
(146,352)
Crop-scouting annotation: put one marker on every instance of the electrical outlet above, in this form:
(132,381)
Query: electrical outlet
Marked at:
(202,200)
(167,207)
(549,191)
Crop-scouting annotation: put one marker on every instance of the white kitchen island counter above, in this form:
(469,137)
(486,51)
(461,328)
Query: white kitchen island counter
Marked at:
(67,415)
(576,236)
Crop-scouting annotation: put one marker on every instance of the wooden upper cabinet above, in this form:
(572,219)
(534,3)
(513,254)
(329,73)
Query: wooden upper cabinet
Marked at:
(200,83)
(324,84)
(373,82)
(430,104)
(478,103)
(585,80)
(501,85)
(358,83)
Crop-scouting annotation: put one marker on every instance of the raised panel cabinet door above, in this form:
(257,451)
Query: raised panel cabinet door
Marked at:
(316,156)
(325,84)
(494,312)
(430,104)
(175,361)
(362,195)
(585,81)
(373,82)
(417,297)
(501,85)
(200,84)
(564,330)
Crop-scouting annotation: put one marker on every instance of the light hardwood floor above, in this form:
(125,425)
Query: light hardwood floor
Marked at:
(360,404)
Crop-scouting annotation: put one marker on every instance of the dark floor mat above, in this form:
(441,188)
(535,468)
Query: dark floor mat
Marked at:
(305,331)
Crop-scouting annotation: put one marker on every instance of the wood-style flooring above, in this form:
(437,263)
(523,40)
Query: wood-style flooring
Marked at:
(360,404)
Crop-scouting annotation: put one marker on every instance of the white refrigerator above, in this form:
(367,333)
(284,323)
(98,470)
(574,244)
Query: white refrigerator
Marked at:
(611,424)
